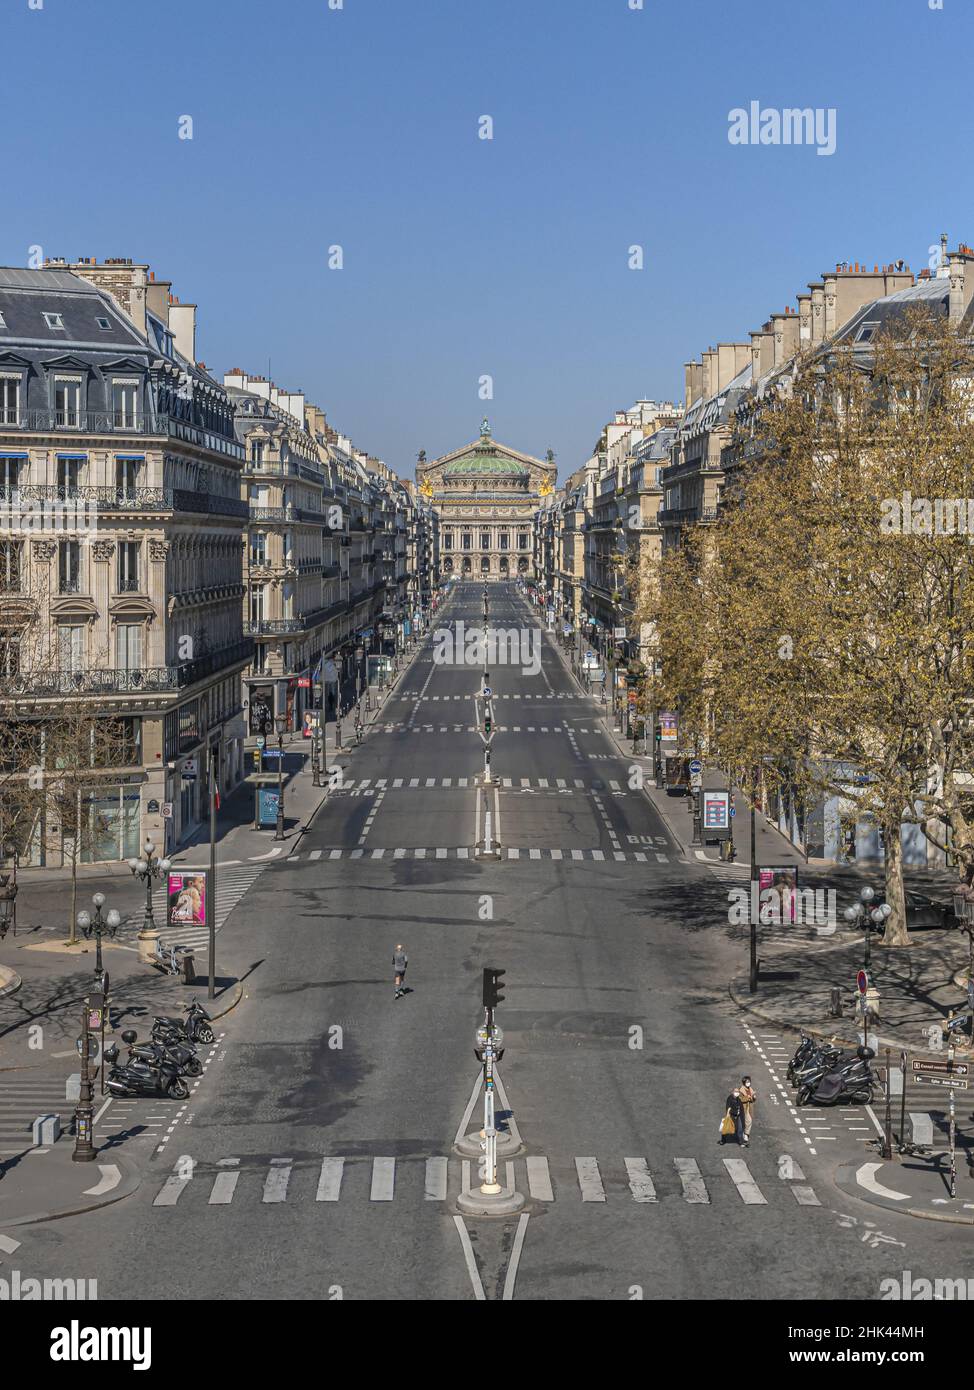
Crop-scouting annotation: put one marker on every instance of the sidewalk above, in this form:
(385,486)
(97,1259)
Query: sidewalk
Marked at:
(45,1184)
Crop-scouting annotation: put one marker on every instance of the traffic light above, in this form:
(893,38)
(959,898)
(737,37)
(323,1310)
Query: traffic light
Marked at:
(492,986)
(256,759)
(488,720)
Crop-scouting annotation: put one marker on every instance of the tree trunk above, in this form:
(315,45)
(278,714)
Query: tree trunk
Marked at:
(896,933)
(74,897)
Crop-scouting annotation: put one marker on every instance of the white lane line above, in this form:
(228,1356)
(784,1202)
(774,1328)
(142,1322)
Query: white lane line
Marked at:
(315,854)
(539,1179)
(8,1245)
(224,1185)
(879,1127)
(694,1187)
(468,1255)
(511,1275)
(589,1180)
(330,1180)
(740,1175)
(278,1177)
(436,1176)
(111,1176)
(640,1180)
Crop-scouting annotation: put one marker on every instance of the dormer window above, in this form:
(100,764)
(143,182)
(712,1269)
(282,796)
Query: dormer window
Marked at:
(866,332)
(54,321)
(2,322)
(103,323)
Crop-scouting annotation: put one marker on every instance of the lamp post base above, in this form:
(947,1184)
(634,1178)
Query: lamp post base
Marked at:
(148,942)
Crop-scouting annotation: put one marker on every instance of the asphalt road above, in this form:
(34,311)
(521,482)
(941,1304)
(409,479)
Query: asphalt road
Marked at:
(317,1140)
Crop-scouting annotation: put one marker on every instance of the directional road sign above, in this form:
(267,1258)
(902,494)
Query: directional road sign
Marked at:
(955,1068)
(951,1081)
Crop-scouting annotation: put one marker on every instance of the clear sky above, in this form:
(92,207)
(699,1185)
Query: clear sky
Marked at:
(464,257)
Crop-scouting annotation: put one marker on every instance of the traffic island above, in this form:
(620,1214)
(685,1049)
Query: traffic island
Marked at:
(472,1144)
(45,1184)
(911,1186)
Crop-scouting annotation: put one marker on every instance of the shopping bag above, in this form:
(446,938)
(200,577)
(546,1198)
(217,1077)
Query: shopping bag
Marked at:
(727,1125)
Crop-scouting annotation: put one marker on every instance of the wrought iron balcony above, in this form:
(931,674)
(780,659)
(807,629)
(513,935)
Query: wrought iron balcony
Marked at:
(117,681)
(124,499)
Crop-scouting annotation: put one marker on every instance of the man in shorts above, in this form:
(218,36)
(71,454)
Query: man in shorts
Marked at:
(399,962)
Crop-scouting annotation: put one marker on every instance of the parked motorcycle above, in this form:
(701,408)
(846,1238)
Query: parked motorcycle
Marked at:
(850,1084)
(803,1051)
(817,1064)
(194,1028)
(138,1078)
(167,1047)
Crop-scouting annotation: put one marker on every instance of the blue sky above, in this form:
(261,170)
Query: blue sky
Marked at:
(465,257)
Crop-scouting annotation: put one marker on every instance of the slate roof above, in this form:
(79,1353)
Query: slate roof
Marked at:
(26,295)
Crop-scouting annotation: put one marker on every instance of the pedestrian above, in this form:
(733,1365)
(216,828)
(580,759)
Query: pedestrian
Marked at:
(399,962)
(748,1097)
(733,1121)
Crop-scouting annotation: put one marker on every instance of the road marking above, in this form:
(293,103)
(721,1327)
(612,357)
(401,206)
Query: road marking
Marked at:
(8,1245)
(589,1180)
(169,1194)
(865,1177)
(275,1184)
(315,854)
(468,1255)
(640,1181)
(694,1187)
(436,1176)
(111,1176)
(539,1179)
(511,1276)
(740,1174)
(330,1180)
(805,1197)
(383,1180)
(224,1185)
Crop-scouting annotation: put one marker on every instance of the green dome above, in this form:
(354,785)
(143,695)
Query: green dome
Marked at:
(485,461)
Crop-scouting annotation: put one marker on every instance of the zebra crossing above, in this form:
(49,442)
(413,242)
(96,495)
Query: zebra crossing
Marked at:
(567,856)
(334,1178)
(232,883)
(23,1096)
(408,727)
(555,786)
(445,699)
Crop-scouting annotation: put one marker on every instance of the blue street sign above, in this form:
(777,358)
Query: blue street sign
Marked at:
(733,810)
(696,766)
(486,692)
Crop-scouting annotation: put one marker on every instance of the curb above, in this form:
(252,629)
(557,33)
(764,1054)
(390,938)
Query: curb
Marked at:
(844,1178)
(12,980)
(131,1182)
(813,1030)
(235,994)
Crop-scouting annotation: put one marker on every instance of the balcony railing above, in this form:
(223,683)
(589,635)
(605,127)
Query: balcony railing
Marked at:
(123,499)
(89,421)
(678,516)
(148,679)
(271,627)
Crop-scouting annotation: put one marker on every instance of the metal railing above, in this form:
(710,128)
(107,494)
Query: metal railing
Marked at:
(119,499)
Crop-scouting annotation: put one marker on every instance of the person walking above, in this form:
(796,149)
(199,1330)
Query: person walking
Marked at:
(734,1114)
(399,962)
(747,1098)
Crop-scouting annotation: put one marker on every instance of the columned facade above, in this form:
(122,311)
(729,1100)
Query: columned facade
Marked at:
(486,495)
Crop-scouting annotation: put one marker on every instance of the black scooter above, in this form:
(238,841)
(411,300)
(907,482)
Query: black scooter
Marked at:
(850,1084)
(167,1047)
(195,1027)
(138,1078)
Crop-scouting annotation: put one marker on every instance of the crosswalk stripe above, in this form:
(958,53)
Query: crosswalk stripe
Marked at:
(539,1179)
(315,854)
(751,1194)
(383,1180)
(436,1174)
(640,1180)
(224,1186)
(171,1190)
(640,858)
(805,1197)
(589,1180)
(556,854)
(378,853)
(275,1184)
(661,859)
(597,854)
(694,1187)
(330,1180)
(335,854)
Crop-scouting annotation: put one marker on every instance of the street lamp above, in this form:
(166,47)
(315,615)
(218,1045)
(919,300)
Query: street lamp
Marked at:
(862,915)
(147,869)
(97,927)
(280,723)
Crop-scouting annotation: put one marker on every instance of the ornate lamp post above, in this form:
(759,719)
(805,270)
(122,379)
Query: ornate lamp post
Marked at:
(280,723)
(148,868)
(861,914)
(98,926)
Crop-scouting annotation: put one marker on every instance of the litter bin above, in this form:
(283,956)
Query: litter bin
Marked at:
(188,966)
(835,1002)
